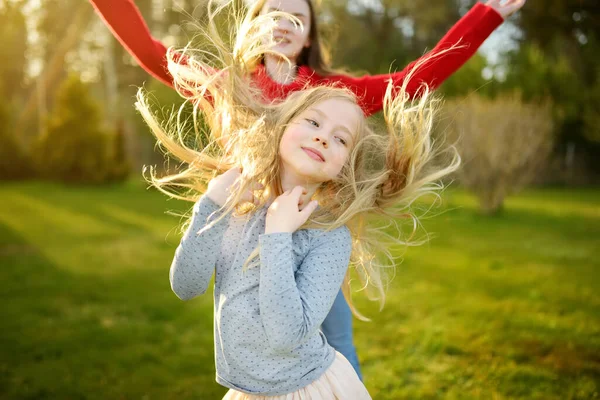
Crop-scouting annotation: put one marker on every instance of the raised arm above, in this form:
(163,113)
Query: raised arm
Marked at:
(195,258)
(293,306)
(126,23)
(467,34)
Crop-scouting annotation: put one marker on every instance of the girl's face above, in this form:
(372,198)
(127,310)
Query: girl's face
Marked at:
(290,39)
(316,144)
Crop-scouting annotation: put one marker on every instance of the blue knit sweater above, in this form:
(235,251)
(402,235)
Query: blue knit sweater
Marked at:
(267,318)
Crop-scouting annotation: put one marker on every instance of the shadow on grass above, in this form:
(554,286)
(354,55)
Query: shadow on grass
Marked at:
(79,336)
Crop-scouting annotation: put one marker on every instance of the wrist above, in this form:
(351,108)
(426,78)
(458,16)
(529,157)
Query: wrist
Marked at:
(216,198)
(275,229)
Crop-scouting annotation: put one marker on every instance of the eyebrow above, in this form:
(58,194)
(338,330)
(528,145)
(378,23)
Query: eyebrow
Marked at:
(296,14)
(343,128)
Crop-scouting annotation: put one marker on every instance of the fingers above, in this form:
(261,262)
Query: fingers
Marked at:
(233,171)
(296,195)
(513,5)
(519,4)
(506,8)
(297,192)
(309,209)
(250,196)
(233,180)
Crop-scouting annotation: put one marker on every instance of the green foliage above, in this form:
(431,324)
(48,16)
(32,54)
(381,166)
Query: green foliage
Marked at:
(468,79)
(370,38)
(53,21)
(13,32)
(543,22)
(538,75)
(558,59)
(591,112)
(121,166)
(14,160)
(74,148)
(167,102)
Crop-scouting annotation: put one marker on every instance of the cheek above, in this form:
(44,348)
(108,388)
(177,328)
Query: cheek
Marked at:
(303,36)
(289,142)
(338,162)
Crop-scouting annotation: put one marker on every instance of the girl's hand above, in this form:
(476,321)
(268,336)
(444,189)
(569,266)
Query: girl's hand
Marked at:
(221,187)
(507,8)
(284,215)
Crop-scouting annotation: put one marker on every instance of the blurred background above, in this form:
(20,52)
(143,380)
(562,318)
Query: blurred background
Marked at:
(501,303)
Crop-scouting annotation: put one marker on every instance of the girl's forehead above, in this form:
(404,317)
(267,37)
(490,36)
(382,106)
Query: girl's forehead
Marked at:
(294,7)
(340,111)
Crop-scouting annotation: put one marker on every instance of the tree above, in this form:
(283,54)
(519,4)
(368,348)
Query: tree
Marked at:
(73,17)
(503,143)
(74,148)
(14,161)
(12,57)
(374,35)
(558,59)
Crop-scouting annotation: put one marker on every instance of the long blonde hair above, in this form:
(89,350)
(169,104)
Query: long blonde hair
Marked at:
(388,168)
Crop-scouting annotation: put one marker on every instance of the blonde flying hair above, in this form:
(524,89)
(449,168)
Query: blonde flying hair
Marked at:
(386,171)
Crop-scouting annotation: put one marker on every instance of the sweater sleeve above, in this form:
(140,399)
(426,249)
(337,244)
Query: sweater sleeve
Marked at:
(126,23)
(195,258)
(293,306)
(468,33)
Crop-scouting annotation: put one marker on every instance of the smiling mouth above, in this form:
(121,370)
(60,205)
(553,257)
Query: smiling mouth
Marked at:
(281,40)
(314,154)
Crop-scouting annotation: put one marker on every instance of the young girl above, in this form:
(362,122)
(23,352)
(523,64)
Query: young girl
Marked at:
(280,232)
(306,64)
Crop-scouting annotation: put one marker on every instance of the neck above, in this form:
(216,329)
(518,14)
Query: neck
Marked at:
(279,69)
(290,181)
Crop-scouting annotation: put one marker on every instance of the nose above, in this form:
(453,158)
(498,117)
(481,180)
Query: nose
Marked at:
(286,25)
(281,30)
(321,140)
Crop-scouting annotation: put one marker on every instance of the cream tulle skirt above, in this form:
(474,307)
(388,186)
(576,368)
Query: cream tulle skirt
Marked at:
(339,382)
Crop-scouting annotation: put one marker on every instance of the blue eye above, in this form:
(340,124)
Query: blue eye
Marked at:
(312,122)
(341,140)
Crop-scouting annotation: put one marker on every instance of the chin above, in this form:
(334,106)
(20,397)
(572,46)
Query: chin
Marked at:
(287,53)
(315,177)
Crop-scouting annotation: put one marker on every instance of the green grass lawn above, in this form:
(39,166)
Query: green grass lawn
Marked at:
(498,307)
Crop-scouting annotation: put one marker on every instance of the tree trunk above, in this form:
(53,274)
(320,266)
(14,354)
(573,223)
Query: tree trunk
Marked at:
(51,72)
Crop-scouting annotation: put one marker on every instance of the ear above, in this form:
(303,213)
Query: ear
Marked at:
(307,43)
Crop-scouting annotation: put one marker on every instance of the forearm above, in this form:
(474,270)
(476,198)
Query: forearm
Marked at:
(456,47)
(432,69)
(279,300)
(196,255)
(293,304)
(127,24)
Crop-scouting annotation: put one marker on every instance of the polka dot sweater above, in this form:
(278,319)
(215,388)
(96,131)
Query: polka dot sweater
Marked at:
(267,317)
